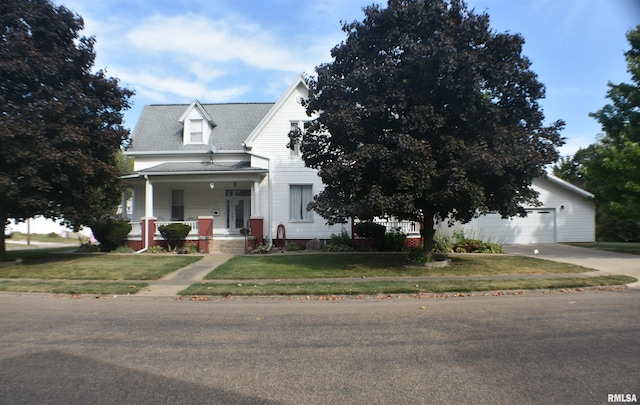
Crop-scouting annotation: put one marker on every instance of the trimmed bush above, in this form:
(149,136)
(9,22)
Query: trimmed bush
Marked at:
(174,234)
(373,232)
(110,232)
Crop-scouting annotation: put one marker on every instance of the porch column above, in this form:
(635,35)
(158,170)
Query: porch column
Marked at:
(151,226)
(148,198)
(255,200)
(205,231)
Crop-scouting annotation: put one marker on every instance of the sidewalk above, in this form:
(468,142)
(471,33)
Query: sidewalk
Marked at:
(172,284)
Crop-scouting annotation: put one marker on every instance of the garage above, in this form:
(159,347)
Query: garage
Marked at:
(566,214)
(539,226)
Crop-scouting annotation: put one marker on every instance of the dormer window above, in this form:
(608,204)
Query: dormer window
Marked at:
(197,125)
(195,131)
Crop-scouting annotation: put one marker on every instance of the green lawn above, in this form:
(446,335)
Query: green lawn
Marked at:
(97,267)
(373,287)
(620,247)
(48,238)
(297,266)
(69,287)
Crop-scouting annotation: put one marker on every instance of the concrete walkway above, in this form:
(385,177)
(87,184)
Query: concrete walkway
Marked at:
(606,262)
(173,283)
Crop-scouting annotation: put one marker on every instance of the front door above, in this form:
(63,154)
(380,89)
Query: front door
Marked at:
(238,209)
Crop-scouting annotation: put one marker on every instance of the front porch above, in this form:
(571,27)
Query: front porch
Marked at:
(201,234)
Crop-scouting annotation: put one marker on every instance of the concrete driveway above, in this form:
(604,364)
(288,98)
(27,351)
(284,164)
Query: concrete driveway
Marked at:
(606,262)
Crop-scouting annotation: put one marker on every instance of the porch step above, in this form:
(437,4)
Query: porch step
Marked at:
(233,246)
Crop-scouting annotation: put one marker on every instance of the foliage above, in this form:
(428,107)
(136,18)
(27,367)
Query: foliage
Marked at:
(610,168)
(393,241)
(156,249)
(339,243)
(419,256)
(292,247)
(188,247)
(61,121)
(88,248)
(374,233)
(110,231)
(442,243)
(262,249)
(463,244)
(175,234)
(424,113)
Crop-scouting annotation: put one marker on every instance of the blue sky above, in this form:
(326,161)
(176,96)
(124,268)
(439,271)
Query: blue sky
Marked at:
(172,51)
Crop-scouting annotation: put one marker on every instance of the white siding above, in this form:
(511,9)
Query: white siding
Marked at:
(284,170)
(564,216)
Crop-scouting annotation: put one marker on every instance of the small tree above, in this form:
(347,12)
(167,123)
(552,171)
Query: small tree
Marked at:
(175,234)
(110,231)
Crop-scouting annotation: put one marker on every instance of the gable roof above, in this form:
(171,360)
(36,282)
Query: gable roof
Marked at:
(196,104)
(159,129)
(569,186)
(274,109)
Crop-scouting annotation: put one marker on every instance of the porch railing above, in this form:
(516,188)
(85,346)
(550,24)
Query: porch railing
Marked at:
(136,227)
(406,227)
(192,224)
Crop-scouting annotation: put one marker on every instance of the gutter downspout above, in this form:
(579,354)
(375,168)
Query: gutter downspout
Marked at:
(146,217)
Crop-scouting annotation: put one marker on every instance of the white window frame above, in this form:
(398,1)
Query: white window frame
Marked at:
(300,195)
(196,130)
(295,151)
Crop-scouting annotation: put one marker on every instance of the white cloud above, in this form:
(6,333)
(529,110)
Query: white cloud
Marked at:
(165,89)
(195,37)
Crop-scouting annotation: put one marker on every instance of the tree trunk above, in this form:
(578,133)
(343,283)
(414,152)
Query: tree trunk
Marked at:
(3,249)
(428,231)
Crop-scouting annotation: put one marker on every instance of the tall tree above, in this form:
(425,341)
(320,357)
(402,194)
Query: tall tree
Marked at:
(61,123)
(426,114)
(610,168)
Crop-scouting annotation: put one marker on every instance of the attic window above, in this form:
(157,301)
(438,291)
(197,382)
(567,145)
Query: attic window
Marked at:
(294,149)
(195,131)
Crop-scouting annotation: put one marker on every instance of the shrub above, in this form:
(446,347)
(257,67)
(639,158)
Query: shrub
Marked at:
(418,256)
(174,234)
(88,248)
(291,247)
(262,249)
(393,241)
(156,249)
(371,231)
(442,243)
(339,243)
(111,232)
(189,247)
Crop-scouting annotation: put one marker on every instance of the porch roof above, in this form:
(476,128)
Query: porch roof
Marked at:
(190,168)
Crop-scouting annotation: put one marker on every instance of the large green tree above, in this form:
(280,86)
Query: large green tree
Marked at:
(426,114)
(61,122)
(610,168)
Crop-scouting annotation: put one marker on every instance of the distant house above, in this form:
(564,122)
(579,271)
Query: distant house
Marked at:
(223,168)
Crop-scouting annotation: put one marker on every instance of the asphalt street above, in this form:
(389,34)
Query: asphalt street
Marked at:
(534,348)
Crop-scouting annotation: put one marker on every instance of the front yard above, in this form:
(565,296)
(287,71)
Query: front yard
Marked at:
(371,274)
(292,274)
(49,271)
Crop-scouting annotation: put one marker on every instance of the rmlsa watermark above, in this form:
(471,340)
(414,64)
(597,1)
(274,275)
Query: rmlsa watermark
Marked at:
(622,398)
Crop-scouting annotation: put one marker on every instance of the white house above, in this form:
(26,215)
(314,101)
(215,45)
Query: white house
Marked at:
(222,168)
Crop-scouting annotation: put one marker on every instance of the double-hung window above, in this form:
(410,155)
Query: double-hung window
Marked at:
(299,197)
(177,205)
(195,131)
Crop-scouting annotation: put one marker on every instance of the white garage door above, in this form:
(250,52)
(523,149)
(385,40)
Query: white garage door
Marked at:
(537,227)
